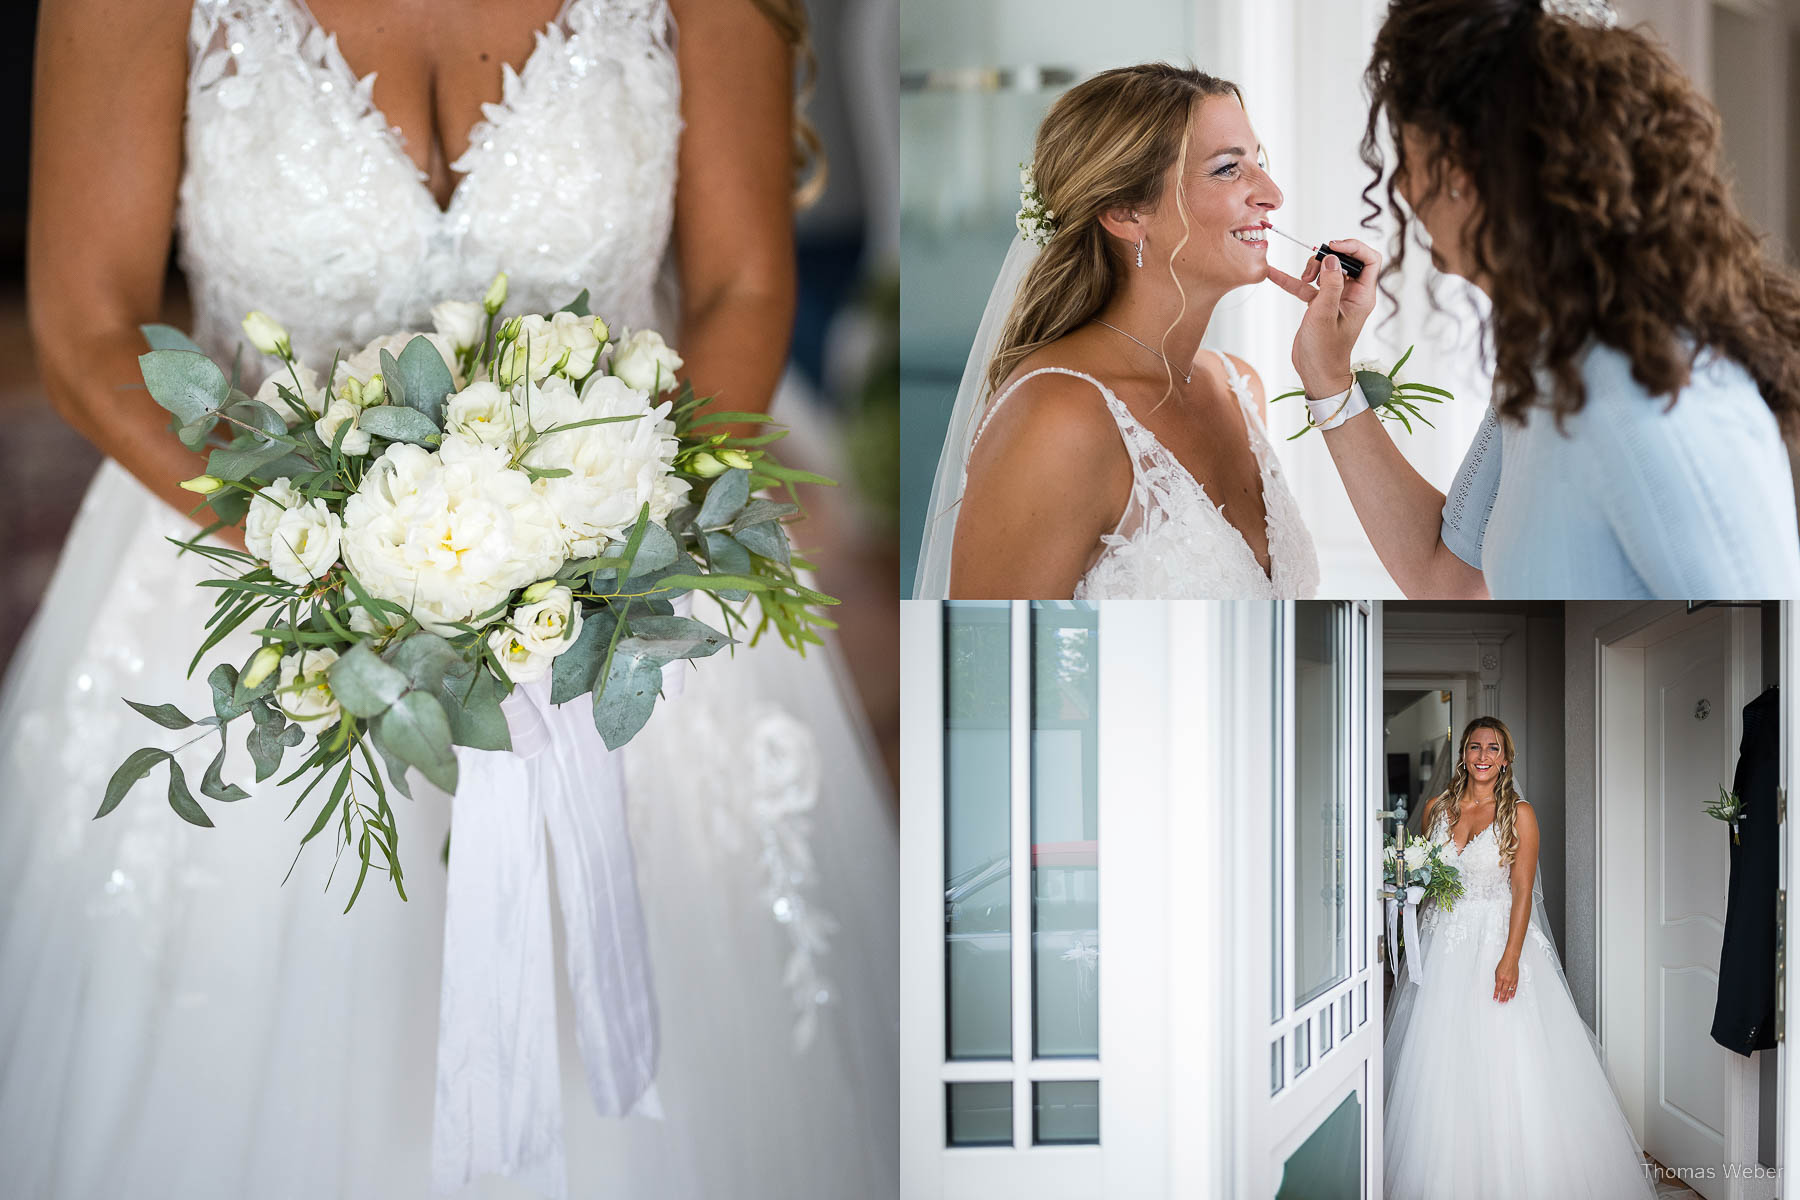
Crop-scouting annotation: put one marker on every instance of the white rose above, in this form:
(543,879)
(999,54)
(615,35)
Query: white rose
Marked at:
(614,469)
(356,441)
(518,660)
(305,542)
(310,393)
(549,625)
(1416,853)
(484,412)
(303,693)
(533,350)
(576,337)
(644,361)
(459,322)
(448,534)
(266,510)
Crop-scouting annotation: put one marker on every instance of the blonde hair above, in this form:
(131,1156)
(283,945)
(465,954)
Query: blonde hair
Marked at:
(1506,792)
(810,173)
(1107,143)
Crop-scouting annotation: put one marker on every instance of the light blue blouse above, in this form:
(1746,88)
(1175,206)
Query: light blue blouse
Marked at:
(1633,498)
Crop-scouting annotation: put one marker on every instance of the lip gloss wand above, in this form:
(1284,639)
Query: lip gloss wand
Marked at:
(1353,267)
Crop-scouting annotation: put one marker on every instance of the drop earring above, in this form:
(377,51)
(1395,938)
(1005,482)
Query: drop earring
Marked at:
(1140,253)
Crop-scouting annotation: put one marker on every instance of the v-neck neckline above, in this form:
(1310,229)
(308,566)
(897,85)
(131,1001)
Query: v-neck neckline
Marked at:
(390,134)
(1262,475)
(1463,849)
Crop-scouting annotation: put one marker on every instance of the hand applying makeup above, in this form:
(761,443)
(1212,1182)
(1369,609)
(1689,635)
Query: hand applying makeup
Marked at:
(1336,309)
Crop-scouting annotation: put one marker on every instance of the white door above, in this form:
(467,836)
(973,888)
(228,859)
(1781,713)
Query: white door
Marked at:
(1695,689)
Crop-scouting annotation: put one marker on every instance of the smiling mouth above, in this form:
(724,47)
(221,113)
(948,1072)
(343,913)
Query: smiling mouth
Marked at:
(1256,235)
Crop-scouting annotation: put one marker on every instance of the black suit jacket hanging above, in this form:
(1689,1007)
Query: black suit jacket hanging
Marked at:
(1744,1019)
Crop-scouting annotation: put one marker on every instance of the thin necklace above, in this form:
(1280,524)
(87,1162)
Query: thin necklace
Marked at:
(1186,376)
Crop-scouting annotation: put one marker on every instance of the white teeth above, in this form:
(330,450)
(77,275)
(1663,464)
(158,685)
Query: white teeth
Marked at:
(1249,235)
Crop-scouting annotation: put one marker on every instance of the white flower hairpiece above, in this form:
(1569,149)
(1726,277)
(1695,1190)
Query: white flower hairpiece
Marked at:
(1589,12)
(1037,224)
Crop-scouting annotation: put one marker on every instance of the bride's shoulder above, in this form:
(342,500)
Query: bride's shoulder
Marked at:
(1235,372)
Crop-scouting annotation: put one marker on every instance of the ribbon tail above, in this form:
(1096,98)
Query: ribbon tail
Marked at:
(1415,949)
(1393,939)
(606,946)
(499,1096)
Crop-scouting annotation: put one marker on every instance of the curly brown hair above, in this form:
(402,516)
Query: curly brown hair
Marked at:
(1604,212)
(1506,790)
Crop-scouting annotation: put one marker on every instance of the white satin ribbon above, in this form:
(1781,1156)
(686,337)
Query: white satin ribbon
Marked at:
(499,1091)
(1405,905)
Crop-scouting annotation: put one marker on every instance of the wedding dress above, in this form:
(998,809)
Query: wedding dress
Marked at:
(1493,1100)
(1172,542)
(174,1022)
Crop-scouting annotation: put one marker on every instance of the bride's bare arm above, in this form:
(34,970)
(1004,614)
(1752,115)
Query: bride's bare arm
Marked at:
(110,86)
(1524,872)
(734,211)
(1047,478)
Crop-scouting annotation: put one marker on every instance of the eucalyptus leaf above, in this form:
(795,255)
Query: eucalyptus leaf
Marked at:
(229,505)
(656,552)
(213,785)
(422,375)
(768,540)
(416,731)
(1376,387)
(193,434)
(182,800)
(227,704)
(398,424)
(362,683)
(167,337)
(425,659)
(129,772)
(758,511)
(725,556)
(166,715)
(234,464)
(473,710)
(625,702)
(725,499)
(663,640)
(578,306)
(574,671)
(259,416)
(396,770)
(185,382)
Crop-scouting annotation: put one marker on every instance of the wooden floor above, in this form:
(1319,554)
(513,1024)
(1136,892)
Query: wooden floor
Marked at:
(47,467)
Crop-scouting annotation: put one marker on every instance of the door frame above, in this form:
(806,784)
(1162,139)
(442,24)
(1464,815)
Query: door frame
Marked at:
(1620,849)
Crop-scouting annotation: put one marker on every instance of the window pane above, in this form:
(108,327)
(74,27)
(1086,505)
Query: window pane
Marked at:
(1328,1165)
(1066,1113)
(1065,883)
(977,825)
(979,1114)
(1321,797)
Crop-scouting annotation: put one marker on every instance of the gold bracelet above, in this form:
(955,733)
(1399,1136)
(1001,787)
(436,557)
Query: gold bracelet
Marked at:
(1348,392)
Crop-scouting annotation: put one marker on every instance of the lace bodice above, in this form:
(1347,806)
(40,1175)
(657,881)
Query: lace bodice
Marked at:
(299,199)
(1484,910)
(1172,541)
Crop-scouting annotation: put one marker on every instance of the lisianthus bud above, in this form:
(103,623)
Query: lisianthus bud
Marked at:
(373,392)
(510,330)
(705,465)
(496,294)
(205,485)
(537,591)
(262,665)
(736,460)
(601,332)
(266,334)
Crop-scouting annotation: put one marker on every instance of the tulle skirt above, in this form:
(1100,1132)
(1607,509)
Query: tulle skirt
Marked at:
(175,1022)
(1492,1101)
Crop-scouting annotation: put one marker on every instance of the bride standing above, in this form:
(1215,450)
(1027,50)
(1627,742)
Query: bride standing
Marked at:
(1493,1085)
(1094,450)
(174,1022)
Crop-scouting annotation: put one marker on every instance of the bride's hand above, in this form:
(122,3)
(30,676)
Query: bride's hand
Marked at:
(1506,979)
(1336,309)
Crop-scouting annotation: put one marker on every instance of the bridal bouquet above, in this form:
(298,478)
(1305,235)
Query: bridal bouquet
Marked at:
(1415,862)
(441,517)
(1392,398)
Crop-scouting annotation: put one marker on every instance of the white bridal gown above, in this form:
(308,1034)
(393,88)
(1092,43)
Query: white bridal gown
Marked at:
(1492,1101)
(176,1023)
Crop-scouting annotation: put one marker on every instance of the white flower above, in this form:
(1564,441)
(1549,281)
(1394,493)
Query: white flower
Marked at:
(578,338)
(644,361)
(1416,853)
(550,625)
(266,510)
(266,334)
(356,441)
(448,534)
(496,294)
(459,322)
(366,363)
(303,692)
(533,349)
(305,543)
(517,659)
(483,412)
(311,394)
(614,469)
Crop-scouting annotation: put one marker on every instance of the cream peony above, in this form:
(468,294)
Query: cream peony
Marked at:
(448,534)
(548,625)
(1416,854)
(521,663)
(614,468)
(483,412)
(356,440)
(303,693)
(644,361)
(311,394)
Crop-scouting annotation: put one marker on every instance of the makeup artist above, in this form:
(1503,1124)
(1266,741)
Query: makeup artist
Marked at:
(1646,349)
